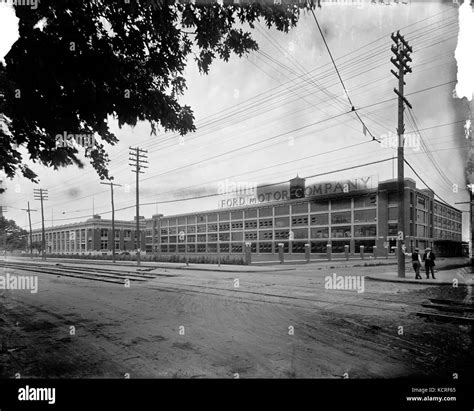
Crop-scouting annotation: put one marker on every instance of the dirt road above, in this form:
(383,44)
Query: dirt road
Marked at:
(196,324)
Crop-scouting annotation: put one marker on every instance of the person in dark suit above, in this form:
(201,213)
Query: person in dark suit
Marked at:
(415,259)
(429,259)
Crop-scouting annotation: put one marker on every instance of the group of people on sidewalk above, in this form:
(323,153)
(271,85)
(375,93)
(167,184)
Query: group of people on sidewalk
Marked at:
(428,258)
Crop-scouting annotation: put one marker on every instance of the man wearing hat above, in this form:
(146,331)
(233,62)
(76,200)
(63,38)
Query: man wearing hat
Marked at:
(416,261)
(429,259)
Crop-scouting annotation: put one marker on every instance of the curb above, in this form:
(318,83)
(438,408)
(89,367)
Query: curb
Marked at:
(421,282)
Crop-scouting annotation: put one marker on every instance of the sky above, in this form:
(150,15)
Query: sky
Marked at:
(282,111)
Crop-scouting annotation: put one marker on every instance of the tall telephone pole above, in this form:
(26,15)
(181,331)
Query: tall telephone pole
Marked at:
(139,158)
(402,51)
(113,215)
(42,195)
(3,209)
(28,210)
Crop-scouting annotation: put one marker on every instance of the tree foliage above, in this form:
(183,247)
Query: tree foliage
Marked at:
(16,237)
(78,62)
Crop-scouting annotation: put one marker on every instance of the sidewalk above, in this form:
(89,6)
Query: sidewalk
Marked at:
(444,277)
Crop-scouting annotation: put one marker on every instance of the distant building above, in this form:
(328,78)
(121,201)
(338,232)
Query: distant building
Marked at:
(93,236)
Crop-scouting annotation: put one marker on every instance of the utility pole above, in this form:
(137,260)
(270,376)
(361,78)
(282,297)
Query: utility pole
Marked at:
(113,215)
(401,49)
(28,210)
(3,209)
(42,195)
(139,158)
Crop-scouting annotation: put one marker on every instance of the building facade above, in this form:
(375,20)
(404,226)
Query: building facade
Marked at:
(338,214)
(94,236)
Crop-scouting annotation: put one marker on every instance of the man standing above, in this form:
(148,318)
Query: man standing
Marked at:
(429,259)
(416,261)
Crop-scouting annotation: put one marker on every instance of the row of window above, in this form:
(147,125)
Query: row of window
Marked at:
(267,247)
(447,212)
(297,233)
(447,235)
(300,208)
(360,216)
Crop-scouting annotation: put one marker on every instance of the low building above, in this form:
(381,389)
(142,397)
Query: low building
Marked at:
(93,236)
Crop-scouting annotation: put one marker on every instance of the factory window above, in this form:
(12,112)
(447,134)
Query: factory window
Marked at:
(319,232)
(265,235)
(319,206)
(103,245)
(164,248)
(181,220)
(236,215)
(393,213)
(210,227)
(117,245)
(201,238)
(191,248)
(127,234)
(224,227)
(421,202)
(365,201)
(286,248)
(224,248)
(224,216)
(341,218)
(239,236)
(365,231)
(211,217)
(238,225)
(201,218)
(211,248)
(251,235)
(265,247)
(266,223)
(164,239)
(172,221)
(368,245)
(300,233)
(191,219)
(393,229)
(251,213)
(301,208)
(282,234)
(250,224)
(191,228)
(364,216)
(302,220)
(265,212)
(393,197)
(117,233)
(282,210)
(173,230)
(339,246)
(340,232)
(201,248)
(282,222)
(172,248)
(319,246)
(181,248)
(299,247)
(103,232)
(320,219)
(236,247)
(173,239)
(341,204)
(224,236)
(212,237)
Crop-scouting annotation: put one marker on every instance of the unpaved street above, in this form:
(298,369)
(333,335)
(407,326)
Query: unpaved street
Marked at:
(201,324)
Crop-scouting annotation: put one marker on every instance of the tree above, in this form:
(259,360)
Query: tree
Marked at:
(78,62)
(16,237)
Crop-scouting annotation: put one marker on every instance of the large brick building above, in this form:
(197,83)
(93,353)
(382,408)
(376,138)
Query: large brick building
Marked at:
(347,213)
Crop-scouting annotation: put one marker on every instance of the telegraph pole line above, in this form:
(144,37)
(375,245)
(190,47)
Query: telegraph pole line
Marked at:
(28,210)
(401,49)
(139,158)
(42,195)
(113,215)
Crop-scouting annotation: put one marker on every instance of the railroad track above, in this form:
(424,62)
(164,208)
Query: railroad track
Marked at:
(448,311)
(87,273)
